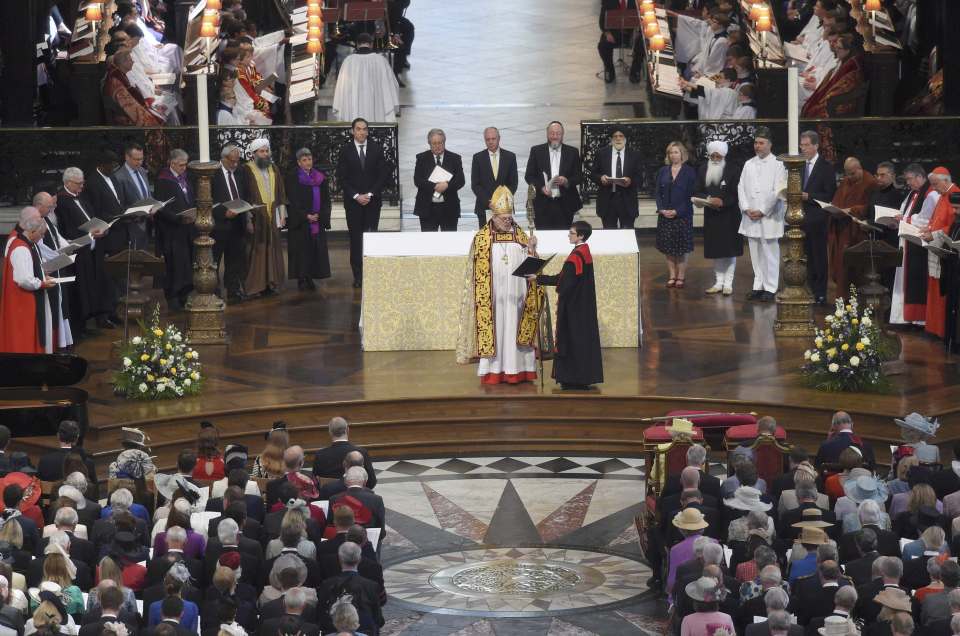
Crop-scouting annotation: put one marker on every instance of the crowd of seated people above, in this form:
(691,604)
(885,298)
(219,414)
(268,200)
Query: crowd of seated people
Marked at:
(827,547)
(209,548)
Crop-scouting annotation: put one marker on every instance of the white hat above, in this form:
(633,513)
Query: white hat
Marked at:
(257,144)
(717,146)
(835,626)
(71,492)
(919,423)
(747,498)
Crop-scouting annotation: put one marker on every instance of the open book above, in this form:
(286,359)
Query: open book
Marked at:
(240,206)
(909,232)
(832,209)
(76,245)
(59,262)
(885,216)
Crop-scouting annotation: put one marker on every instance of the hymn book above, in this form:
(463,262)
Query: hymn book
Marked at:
(909,232)
(885,216)
(531,265)
(239,206)
(832,209)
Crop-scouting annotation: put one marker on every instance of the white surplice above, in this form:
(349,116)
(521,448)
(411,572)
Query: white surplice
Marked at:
(64,334)
(509,293)
(920,220)
(366,87)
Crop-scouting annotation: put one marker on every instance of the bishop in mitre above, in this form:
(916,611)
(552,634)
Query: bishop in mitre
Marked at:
(499,313)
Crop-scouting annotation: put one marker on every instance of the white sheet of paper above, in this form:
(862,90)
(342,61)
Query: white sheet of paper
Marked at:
(706,82)
(439,175)
(64,279)
(270,97)
(908,230)
(96,224)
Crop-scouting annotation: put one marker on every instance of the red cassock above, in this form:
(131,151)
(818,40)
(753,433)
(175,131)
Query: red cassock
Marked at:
(19,331)
(936,303)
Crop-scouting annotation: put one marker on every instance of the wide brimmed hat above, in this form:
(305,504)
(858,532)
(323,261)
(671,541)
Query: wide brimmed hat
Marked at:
(866,487)
(919,423)
(703,589)
(125,545)
(30,485)
(235,453)
(690,519)
(134,436)
(49,591)
(812,518)
(167,485)
(812,536)
(895,599)
(283,562)
(835,626)
(747,498)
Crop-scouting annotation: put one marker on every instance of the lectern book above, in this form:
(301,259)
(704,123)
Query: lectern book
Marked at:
(532,265)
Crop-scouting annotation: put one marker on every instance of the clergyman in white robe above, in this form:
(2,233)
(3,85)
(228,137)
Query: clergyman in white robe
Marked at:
(366,87)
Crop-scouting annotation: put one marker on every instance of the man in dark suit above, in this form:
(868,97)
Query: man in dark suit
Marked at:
(438,204)
(820,183)
(807,512)
(157,567)
(785,481)
(861,570)
(697,457)
(104,196)
(175,231)
(947,481)
(237,482)
(356,478)
(294,617)
(812,595)
(293,467)
(50,464)
(229,540)
(111,599)
(843,603)
(840,437)
(83,577)
(362,173)
(328,490)
(891,569)
(612,39)
(133,185)
(91,295)
(888,543)
(328,462)
(368,567)
(230,228)
(617,204)
(363,592)
(490,169)
(553,169)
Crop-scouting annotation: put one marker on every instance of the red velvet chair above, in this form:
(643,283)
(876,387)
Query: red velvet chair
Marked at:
(769,452)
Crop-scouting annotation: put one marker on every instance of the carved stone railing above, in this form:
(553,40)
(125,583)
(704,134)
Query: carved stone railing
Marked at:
(930,141)
(33,157)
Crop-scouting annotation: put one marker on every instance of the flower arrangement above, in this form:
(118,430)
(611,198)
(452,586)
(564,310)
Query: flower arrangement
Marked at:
(158,365)
(847,352)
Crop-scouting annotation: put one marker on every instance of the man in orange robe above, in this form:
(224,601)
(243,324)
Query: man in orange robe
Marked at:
(853,195)
(942,219)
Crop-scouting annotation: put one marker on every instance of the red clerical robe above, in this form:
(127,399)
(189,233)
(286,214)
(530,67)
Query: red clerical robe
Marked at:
(19,324)
(937,304)
(844,80)
(123,102)
(843,232)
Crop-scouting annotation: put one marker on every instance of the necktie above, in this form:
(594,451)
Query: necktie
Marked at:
(619,172)
(806,173)
(234,194)
(144,192)
(438,159)
(496,165)
(363,156)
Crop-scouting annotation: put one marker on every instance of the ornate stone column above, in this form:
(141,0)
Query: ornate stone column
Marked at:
(794,301)
(205,322)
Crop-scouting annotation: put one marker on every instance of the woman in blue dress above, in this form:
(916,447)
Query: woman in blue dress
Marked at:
(675,185)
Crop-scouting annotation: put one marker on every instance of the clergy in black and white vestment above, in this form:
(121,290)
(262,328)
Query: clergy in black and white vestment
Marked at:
(763,211)
(717,182)
(909,298)
(499,311)
(47,247)
(366,86)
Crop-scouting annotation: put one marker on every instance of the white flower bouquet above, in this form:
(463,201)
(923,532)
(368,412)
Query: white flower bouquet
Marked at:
(158,365)
(846,354)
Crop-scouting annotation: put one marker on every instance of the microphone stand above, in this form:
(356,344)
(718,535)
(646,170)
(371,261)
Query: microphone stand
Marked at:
(126,305)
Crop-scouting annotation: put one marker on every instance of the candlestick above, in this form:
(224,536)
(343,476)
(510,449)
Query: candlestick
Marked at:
(793,110)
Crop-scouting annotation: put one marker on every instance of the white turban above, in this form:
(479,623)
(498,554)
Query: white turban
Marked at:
(718,147)
(257,144)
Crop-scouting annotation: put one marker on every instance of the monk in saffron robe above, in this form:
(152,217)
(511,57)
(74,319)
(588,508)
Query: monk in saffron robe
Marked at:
(853,195)
(943,217)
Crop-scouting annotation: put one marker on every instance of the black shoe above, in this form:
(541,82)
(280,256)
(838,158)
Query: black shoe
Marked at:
(609,77)
(756,294)
(105,323)
(311,286)
(269,291)
(406,65)
(820,301)
(302,284)
(769,297)
(635,78)
(233,299)
(400,83)
(357,283)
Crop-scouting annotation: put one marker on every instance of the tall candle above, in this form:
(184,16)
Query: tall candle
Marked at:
(793,110)
(203,122)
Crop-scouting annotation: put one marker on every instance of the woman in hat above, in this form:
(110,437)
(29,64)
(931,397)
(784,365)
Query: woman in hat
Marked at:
(128,554)
(210,466)
(50,617)
(850,458)
(860,486)
(916,431)
(269,464)
(706,594)
(173,585)
(803,558)
(108,570)
(893,601)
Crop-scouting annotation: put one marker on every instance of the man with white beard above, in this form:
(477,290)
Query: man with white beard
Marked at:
(717,182)
(762,178)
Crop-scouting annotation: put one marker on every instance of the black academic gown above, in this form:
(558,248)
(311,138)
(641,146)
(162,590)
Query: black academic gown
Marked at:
(915,272)
(307,255)
(721,227)
(90,295)
(577,359)
(175,238)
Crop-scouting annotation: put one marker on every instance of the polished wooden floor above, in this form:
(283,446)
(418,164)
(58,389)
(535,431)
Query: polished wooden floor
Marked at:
(297,356)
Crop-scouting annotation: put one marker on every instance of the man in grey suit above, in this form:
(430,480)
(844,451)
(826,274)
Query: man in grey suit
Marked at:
(133,185)
(491,169)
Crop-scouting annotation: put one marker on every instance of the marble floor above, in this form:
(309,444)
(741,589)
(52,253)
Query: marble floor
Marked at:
(515,545)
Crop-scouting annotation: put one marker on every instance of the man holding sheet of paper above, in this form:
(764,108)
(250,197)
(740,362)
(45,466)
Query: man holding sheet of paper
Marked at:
(553,169)
(91,295)
(52,246)
(438,175)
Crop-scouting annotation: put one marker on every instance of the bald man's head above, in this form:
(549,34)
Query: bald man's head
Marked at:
(852,169)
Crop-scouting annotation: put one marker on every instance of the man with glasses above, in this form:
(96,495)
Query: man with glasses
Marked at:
(133,185)
(909,299)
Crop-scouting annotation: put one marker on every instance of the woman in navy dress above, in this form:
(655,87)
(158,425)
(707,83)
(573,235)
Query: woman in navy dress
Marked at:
(675,184)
